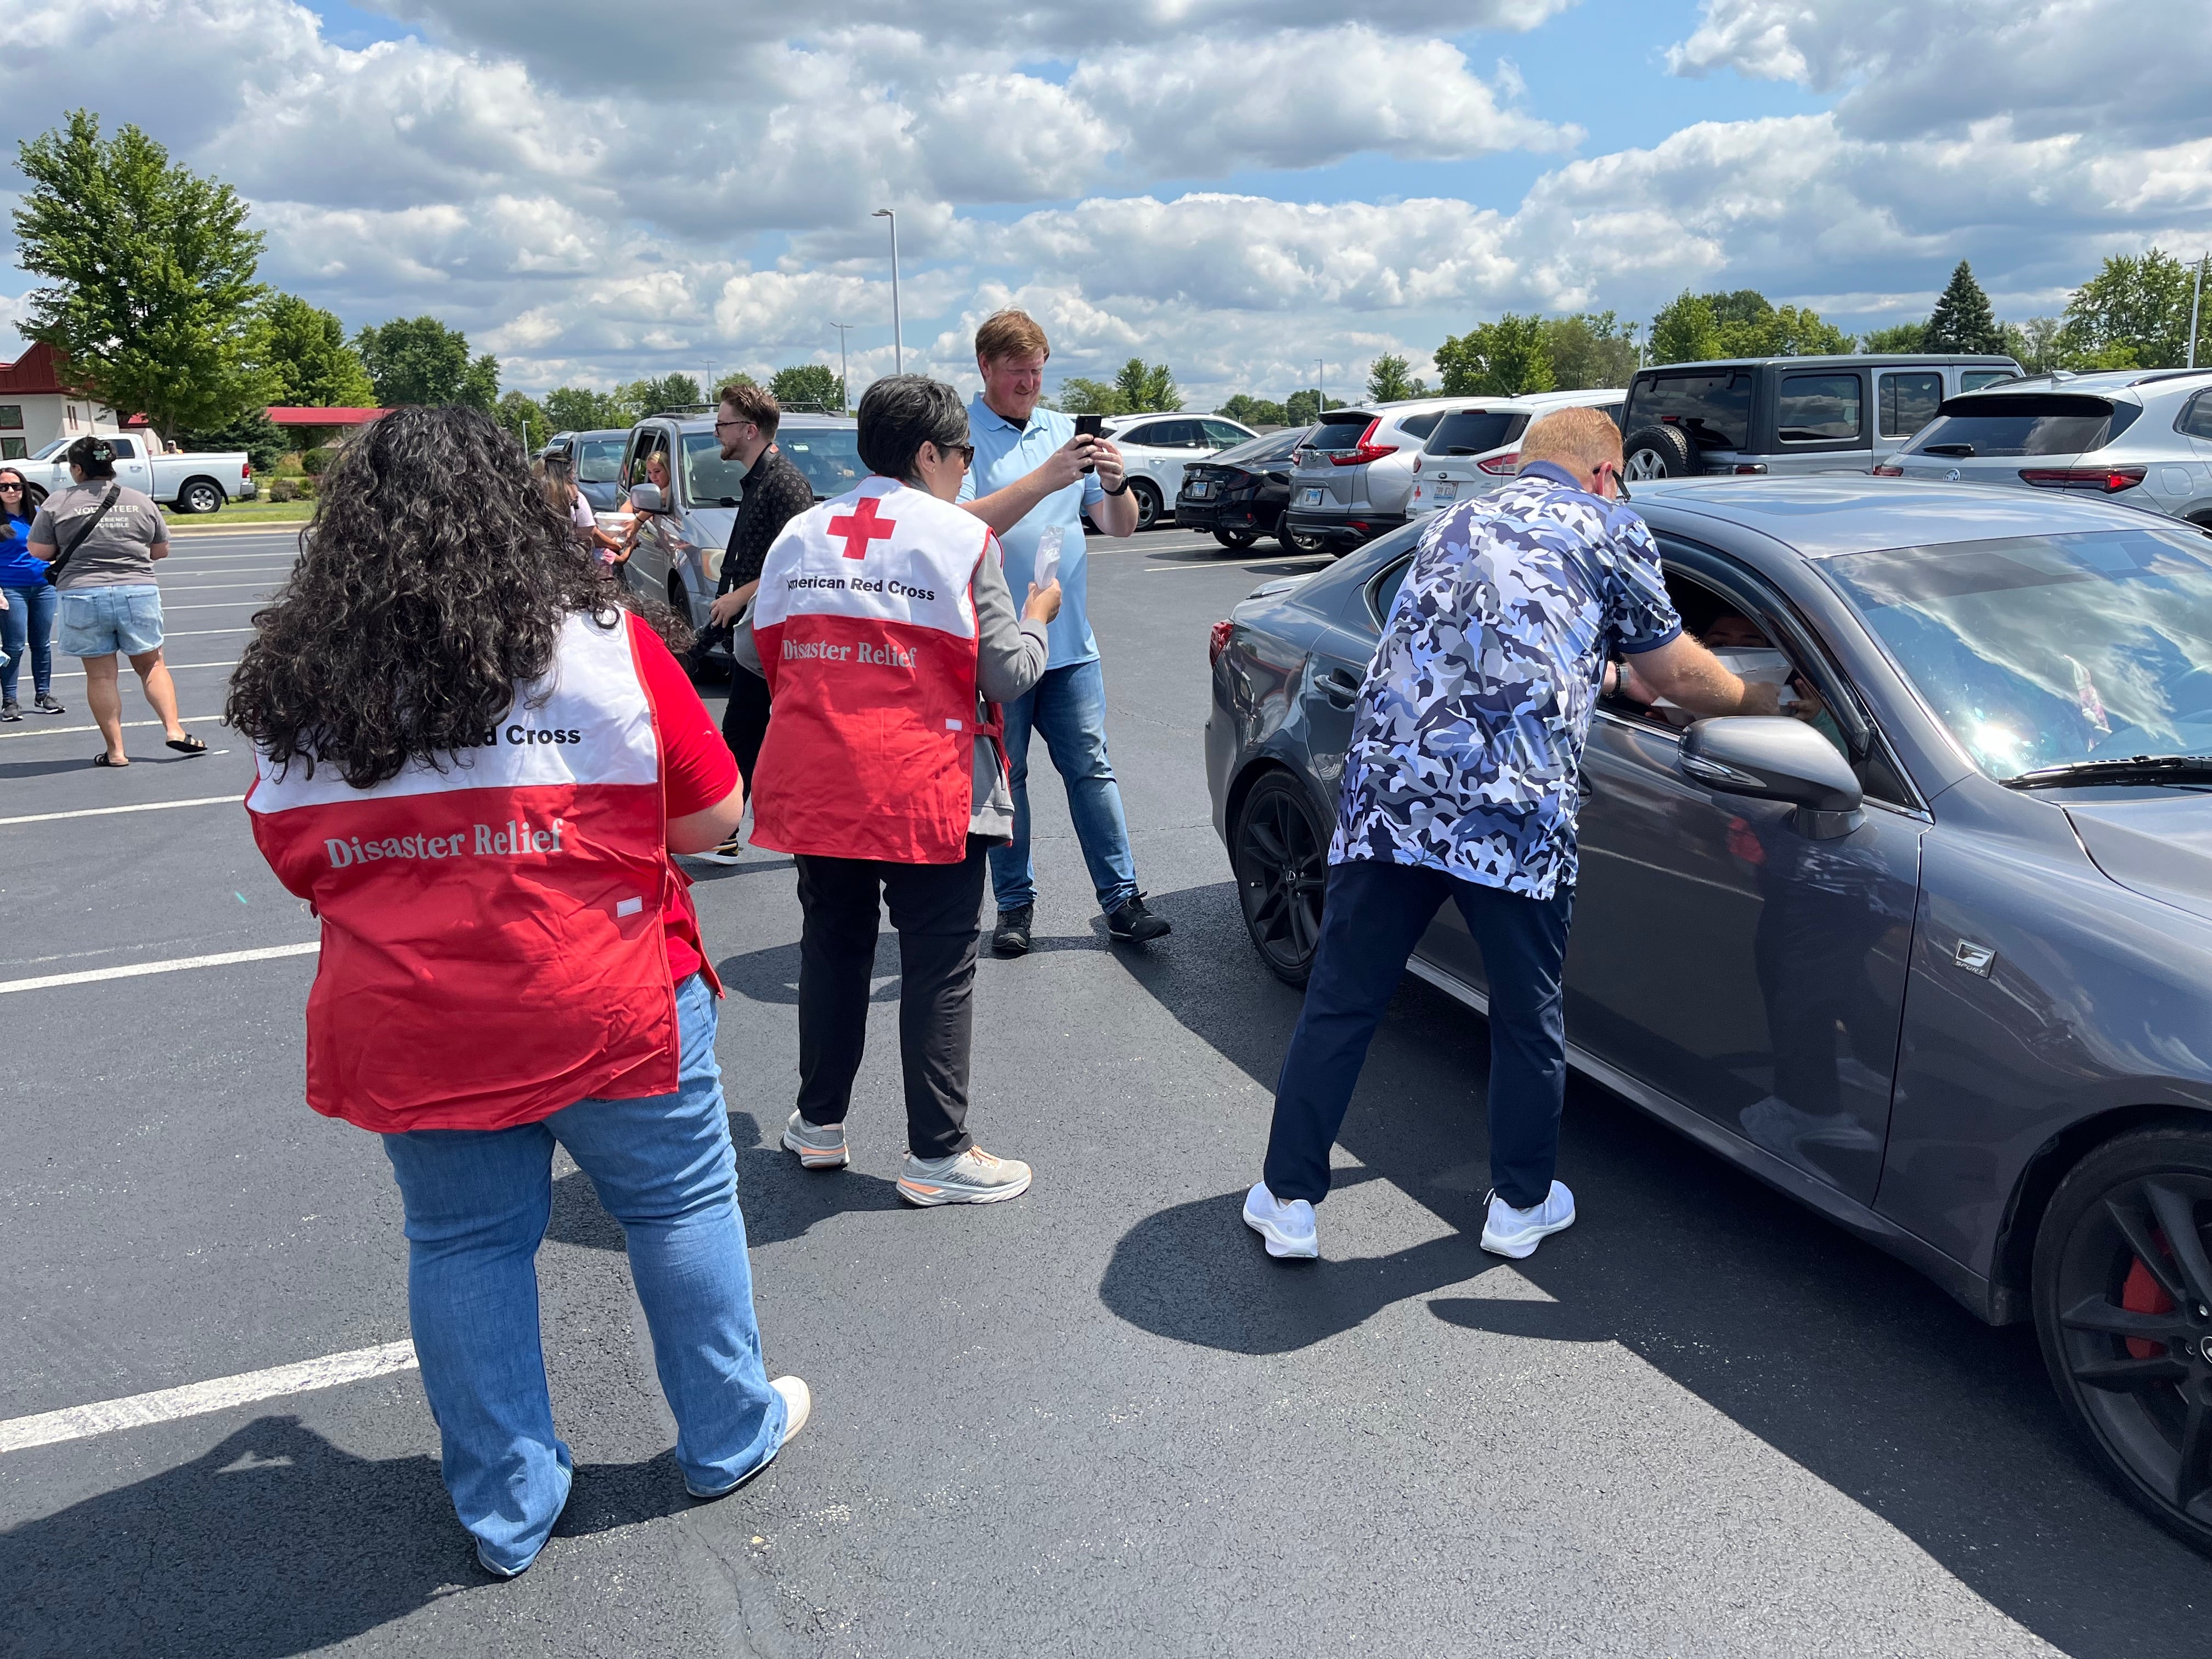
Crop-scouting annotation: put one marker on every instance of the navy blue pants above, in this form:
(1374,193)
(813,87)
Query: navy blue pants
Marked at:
(1374,916)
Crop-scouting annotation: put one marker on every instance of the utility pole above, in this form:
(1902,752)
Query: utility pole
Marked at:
(844,386)
(1321,394)
(898,348)
(2195,301)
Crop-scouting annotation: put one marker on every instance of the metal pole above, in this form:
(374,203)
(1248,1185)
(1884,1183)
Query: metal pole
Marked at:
(2195,300)
(898,344)
(1321,392)
(844,386)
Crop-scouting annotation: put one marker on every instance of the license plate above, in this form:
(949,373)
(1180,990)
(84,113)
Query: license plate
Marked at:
(1309,497)
(1444,491)
(1199,491)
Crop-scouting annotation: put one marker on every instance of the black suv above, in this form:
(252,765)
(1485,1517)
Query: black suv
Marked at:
(1790,414)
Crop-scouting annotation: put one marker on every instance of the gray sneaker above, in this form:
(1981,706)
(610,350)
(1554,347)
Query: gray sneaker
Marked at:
(819,1146)
(970,1177)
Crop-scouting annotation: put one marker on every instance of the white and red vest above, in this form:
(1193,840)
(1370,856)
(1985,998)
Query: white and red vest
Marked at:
(492,940)
(865,623)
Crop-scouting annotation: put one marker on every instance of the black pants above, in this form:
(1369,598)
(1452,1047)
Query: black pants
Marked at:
(745,719)
(935,908)
(1374,916)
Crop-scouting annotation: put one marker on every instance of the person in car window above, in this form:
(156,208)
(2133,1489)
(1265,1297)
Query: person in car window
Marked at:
(1462,782)
(656,474)
(1034,479)
(1731,630)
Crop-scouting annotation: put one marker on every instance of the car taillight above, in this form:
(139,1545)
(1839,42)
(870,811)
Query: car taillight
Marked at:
(1218,641)
(1417,463)
(1366,449)
(1885,470)
(2104,480)
(1502,466)
(1748,466)
(245,472)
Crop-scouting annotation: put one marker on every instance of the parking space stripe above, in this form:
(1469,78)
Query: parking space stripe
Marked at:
(137,1411)
(173,667)
(209,587)
(138,806)
(136,969)
(64,731)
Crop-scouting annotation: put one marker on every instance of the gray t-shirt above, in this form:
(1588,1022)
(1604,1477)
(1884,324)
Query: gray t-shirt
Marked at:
(119,552)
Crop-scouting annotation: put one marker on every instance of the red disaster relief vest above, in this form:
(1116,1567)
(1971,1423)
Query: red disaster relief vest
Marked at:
(866,627)
(492,940)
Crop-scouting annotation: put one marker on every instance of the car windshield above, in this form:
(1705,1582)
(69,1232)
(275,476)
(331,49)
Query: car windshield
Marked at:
(1476,431)
(2040,650)
(2025,423)
(598,460)
(830,456)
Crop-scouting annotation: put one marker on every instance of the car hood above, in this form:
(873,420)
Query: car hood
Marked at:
(2162,848)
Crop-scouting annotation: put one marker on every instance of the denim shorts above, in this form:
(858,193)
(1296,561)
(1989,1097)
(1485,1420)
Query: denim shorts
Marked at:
(98,622)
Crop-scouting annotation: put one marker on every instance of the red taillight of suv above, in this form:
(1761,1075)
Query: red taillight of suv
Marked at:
(2104,480)
(1888,471)
(1218,641)
(1365,450)
(1502,466)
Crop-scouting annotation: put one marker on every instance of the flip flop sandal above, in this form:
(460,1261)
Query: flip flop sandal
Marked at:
(100,759)
(187,745)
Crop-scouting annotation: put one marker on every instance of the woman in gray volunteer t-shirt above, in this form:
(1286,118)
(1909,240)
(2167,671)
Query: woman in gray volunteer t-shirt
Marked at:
(109,601)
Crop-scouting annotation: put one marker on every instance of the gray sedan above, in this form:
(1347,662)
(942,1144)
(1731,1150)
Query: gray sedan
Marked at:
(1939,958)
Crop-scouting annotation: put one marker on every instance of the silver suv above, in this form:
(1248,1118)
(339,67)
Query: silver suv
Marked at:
(2142,436)
(1354,477)
(1475,450)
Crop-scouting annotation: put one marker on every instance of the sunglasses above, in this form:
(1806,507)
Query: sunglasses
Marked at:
(11,490)
(965,452)
(1620,480)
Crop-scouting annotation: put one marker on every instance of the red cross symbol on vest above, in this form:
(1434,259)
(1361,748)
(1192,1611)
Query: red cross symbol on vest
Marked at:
(861,526)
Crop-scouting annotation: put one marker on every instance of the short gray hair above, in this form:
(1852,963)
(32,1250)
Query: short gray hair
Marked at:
(901,412)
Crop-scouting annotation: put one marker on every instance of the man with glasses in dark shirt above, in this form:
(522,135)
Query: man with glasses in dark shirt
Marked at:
(776,493)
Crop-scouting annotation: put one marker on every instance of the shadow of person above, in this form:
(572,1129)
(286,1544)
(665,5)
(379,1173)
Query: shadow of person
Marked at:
(782,1201)
(771,975)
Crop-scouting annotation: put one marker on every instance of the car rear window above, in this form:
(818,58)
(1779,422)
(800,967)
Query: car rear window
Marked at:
(1816,408)
(830,456)
(1714,409)
(1274,446)
(1339,432)
(2025,423)
(1477,431)
(598,460)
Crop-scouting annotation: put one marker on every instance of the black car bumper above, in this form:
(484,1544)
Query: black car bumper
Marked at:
(1233,517)
(1341,527)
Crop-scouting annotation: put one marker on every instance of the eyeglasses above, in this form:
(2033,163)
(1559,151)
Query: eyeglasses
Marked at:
(719,425)
(11,490)
(1620,480)
(965,452)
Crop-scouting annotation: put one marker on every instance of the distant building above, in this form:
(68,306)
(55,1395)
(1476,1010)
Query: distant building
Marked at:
(36,408)
(312,427)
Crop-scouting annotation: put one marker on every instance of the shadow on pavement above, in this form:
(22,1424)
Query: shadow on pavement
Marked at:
(276,1542)
(1841,1359)
(771,977)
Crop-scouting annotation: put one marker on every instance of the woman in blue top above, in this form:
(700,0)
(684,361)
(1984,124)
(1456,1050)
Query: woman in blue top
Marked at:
(28,620)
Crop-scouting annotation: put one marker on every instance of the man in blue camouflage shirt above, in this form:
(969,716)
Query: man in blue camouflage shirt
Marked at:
(1462,783)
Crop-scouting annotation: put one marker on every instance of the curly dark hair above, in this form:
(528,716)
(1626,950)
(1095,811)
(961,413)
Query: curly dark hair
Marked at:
(433,578)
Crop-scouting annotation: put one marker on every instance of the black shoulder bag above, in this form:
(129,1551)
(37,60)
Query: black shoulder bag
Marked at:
(61,559)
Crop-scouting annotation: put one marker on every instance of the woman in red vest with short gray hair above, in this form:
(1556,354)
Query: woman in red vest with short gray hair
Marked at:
(475,763)
(888,637)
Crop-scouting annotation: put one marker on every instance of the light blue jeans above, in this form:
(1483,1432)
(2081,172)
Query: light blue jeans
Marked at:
(27,628)
(1068,709)
(477,1202)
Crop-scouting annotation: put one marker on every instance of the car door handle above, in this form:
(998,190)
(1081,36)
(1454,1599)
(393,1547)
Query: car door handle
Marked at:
(1341,686)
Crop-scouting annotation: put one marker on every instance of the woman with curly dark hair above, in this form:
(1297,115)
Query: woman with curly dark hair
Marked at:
(474,764)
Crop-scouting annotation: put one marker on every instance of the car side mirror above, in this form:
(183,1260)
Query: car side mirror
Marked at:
(1773,757)
(646,498)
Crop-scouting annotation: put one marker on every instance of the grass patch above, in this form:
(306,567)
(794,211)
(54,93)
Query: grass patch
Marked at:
(237,512)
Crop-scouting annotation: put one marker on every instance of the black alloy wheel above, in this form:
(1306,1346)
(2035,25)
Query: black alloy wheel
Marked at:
(1148,503)
(1658,452)
(1294,543)
(2122,1295)
(201,496)
(1236,540)
(1280,855)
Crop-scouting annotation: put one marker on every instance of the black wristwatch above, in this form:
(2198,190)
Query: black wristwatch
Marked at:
(1122,489)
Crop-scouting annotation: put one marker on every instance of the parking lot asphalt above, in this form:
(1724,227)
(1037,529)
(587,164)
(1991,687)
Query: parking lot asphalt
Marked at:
(1095,1420)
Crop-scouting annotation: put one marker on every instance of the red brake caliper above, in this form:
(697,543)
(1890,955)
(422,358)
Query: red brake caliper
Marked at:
(2143,1294)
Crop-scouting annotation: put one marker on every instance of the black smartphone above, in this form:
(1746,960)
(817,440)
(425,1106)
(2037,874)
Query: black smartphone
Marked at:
(1089,426)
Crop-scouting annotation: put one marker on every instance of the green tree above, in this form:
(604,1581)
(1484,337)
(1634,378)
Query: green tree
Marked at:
(1686,331)
(1254,411)
(2136,308)
(2035,344)
(251,429)
(1589,349)
(1303,408)
(1897,337)
(580,409)
(1146,389)
(653,396)
(153,303)
(1390,380)
(310,364)
(525,416)
(418,359)
(1080,397)
(1795,333)
(1962,320)
(1505,359)
(814,384)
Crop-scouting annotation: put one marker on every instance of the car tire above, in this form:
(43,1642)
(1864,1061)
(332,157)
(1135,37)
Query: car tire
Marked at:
(199,497)
(679,600)
(1148,503)
(2125,1319)
(1294,543)
(1236,540)
(1658,452)
(1279,853)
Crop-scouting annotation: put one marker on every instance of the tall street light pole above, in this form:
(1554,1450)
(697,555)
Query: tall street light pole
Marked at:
(898,349)
(844,386)
(2195,301)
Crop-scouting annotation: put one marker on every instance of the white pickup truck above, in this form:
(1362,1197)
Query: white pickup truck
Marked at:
(191,483)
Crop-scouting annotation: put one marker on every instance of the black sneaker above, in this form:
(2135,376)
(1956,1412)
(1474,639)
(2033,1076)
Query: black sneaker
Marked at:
(11,710)
(1132,924)
(1011,938)
(47,705)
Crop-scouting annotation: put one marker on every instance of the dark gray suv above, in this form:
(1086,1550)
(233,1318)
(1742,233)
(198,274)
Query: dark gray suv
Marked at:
(1953,938)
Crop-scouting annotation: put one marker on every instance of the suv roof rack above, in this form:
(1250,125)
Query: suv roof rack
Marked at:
(2153,378)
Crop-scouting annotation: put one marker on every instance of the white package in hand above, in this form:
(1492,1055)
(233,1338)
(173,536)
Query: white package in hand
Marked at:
(1758,665)
(1046,569)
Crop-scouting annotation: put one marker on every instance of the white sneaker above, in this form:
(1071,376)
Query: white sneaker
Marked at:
(1288,1228)
(970,1177)
(1509,1231)
(819,1146)
(798,1405)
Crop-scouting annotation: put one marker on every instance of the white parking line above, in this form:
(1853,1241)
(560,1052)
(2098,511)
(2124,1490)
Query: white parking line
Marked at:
(63,730)
(173,667)
(134,969)
(209,587)
(1316,560)
(198,1399)
(141,806)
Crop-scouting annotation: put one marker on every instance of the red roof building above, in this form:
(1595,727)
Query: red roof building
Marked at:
(36,408)
(287,415)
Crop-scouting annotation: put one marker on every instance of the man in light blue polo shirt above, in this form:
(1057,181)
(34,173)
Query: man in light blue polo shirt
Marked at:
(1028,478)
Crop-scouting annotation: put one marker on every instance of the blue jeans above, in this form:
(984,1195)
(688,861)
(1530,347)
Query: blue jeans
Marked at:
(477,1202)
(1375,915)
(1068,709)
(28,623)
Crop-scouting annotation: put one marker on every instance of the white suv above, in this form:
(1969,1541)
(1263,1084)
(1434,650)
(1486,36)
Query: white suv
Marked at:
(1157,449)
(1476,450)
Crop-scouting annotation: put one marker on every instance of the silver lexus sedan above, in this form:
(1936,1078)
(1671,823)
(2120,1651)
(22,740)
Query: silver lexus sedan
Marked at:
(1952,935)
